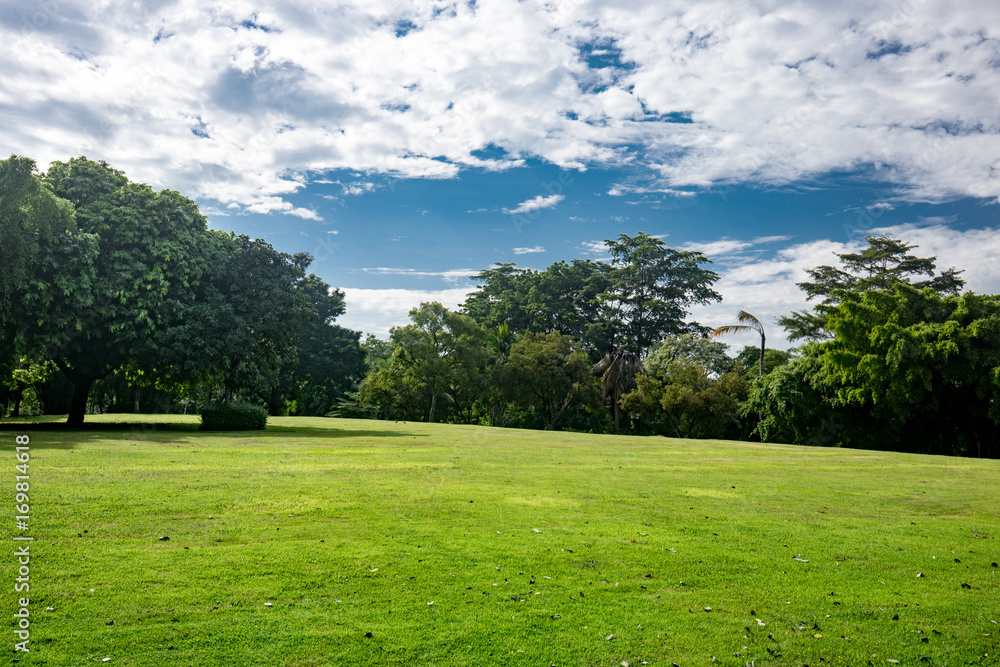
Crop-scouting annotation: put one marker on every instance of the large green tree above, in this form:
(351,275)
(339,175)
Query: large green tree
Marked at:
(150,256)
(882,264)
(652,289)
(705,352)
(564,298)
(682,399)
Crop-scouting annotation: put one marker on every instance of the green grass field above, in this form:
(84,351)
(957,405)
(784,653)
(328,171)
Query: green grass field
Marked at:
(340,542)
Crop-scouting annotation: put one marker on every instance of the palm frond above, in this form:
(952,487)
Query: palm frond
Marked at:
(753,322)
(731,329)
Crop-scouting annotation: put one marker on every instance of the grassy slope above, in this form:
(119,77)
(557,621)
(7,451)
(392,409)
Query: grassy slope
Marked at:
(354,527)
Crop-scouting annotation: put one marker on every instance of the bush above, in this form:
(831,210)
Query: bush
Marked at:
(233,416)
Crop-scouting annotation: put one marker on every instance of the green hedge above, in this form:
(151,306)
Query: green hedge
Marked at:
(233,416)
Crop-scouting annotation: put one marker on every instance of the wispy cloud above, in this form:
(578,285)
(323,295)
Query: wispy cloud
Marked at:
(535,204)
(453,275)
(720,247)
(528,251)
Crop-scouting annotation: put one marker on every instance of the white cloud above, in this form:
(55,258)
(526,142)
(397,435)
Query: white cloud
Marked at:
(358,188)
(770,239)
(378,310)
(528,251)
(594,248)
(200,98)
(452,276)
(535,204)
(721,247)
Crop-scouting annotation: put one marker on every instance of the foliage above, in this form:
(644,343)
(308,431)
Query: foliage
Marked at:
(683,401)
(440,357)
(20,389)
(562,299)
(749,324)
(797,404)
(46,261)
(651,289)
(550,373)
(243,321)
(377,351)
(694,348)
(926,366)
(748,359)
(884,263)
(233,416)
(329,361)
(150,256)
(618,372)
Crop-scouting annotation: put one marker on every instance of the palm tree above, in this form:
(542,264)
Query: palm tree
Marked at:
(499,340)
(750,323)
(618,371)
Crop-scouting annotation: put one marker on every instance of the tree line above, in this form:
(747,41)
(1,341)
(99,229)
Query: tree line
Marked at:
(118,297)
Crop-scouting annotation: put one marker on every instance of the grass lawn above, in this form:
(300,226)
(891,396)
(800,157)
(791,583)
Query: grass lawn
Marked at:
(342,542)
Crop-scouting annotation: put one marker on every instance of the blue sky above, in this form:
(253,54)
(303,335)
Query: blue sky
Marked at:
(407,145)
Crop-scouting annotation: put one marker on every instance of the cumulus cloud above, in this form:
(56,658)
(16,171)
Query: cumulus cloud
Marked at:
(536,203)
(246,103)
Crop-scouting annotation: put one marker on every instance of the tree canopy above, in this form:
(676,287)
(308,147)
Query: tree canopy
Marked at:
(652,288)
(884,263)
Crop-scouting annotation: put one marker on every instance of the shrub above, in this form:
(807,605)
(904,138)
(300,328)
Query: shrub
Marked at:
(233,416)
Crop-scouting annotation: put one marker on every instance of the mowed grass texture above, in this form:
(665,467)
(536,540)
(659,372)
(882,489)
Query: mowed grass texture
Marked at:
(340,542)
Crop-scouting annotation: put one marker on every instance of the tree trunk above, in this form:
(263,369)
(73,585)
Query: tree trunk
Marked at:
(78,404)
(430,416)
(617,410)
(762,355)
(138,395)
(18,397)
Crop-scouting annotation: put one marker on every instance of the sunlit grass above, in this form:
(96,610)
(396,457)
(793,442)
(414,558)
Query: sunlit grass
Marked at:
(454,545)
